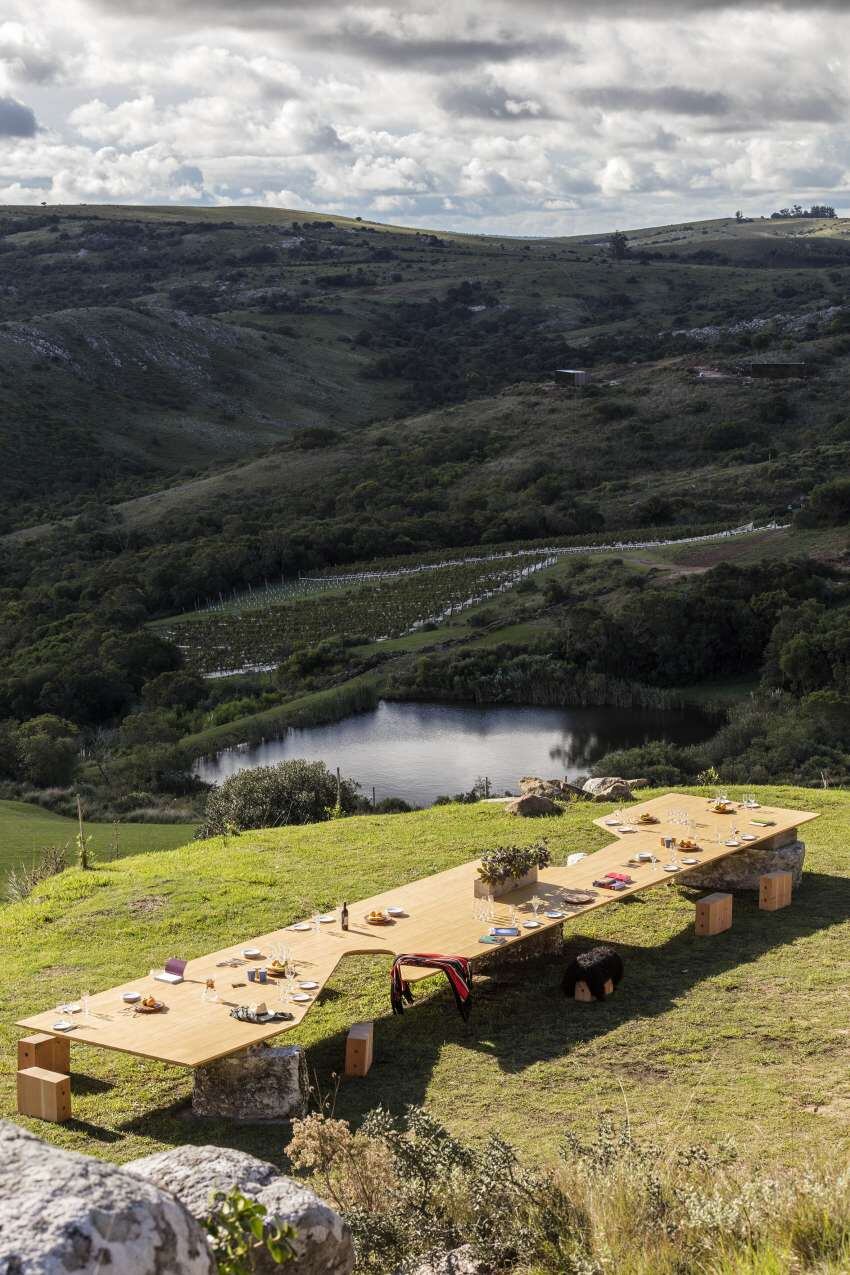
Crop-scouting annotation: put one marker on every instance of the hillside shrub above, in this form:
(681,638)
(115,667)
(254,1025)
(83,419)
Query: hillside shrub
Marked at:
(408,1189)
(23,878)
(292,792)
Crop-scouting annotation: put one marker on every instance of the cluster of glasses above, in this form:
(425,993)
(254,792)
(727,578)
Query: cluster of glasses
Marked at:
(484,910)
(750,800)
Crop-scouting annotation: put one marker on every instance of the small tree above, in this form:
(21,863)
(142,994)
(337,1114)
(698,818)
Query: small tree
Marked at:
(619,245)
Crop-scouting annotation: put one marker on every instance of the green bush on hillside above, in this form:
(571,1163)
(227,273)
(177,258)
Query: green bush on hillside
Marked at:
(296,791)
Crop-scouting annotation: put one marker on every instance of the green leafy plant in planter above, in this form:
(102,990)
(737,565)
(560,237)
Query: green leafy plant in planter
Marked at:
(505,865)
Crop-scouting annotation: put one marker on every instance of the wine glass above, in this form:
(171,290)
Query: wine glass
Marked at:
(84,1005)
(316,922)
(536,904)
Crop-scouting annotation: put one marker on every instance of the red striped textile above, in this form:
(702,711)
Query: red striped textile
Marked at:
(455,968)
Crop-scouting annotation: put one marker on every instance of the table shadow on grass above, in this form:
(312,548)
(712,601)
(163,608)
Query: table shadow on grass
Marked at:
(520,1016)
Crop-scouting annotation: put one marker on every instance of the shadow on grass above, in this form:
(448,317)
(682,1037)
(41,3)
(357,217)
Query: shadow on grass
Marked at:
(520,1016)
(81,1083)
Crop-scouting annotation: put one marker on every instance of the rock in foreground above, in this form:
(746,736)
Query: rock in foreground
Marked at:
(61,1212)
(323,1243)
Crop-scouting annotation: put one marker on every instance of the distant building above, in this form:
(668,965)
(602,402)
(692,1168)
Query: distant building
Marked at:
(776,371)
(571,376)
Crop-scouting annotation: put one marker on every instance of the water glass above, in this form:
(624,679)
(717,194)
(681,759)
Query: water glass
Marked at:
(84,1005)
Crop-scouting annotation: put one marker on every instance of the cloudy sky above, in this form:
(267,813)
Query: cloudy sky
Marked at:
(530,117)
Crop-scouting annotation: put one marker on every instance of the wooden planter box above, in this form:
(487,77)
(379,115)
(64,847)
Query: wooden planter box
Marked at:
(484,890)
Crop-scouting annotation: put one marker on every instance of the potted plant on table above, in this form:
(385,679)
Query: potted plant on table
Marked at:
(507,868)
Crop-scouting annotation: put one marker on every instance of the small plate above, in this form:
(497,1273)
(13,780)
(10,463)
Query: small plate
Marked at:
(308,985)
(625,828)
(64,1025)
(689,862)
(150,1009)
(131,997)
(731,843)
(72,1007)
(749,836)
(251,953)
(555,914)
(396,911)
(531,925)
(327,917)
(612,823)
(302,925)
(672,867)
(301,997)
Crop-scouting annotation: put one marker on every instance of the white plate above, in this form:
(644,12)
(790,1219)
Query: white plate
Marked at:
(531,925)
(251,953)
(731,843)
(612,823)
(624,828)
(72,1007)
(555,914)
(672,867)
(301,997)
(64,1025)
(307,986)
(327,918)
(131,997)
(688,862)
(396,912)
(302,925)
(749,836)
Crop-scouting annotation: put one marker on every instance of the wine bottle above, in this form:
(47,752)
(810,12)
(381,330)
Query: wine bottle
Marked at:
(344,917)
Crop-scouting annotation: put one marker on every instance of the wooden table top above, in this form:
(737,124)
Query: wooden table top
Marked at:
(440,918)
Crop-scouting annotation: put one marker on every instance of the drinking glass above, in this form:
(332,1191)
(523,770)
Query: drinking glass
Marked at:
(316,922)
(84,1005)
(536,903)
(513,918)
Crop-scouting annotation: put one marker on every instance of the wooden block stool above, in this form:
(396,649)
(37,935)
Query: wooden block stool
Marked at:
(358,1049)
(585,995)
(44,1094)
(714,914)
(52,1052)
(775,891)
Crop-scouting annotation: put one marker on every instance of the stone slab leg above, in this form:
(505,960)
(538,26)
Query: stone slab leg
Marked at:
(741,873)
(548,945)
(261,1083)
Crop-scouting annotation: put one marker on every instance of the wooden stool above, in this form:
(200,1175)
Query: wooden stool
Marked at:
(585,995)
(44,1094)
(714,914)
(775,891)
(359,1049)
(52,1052)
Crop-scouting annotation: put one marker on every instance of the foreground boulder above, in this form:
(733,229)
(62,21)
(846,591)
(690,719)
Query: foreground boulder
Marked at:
(609,789)
(61,1212)
(323,1244)
(531,806)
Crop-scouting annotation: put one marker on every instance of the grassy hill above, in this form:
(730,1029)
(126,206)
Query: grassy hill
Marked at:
(144,346)
(735,1036)
(25,829)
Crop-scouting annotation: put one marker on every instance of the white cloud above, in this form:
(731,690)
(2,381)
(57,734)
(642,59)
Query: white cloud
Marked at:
(544,118)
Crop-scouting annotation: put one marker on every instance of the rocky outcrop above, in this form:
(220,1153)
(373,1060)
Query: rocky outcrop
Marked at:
(61,1212)
(460,1261)
(555,789)
(531,806)
(260,1083)
(609,789)
(193,1174)
(323,1243)
(739,873)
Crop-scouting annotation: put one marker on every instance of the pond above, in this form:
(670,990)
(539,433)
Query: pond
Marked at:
(422,751)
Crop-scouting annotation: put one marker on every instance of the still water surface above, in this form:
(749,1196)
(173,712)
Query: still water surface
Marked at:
(420,751)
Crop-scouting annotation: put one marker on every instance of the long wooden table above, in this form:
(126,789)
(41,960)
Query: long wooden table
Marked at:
(440,918)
